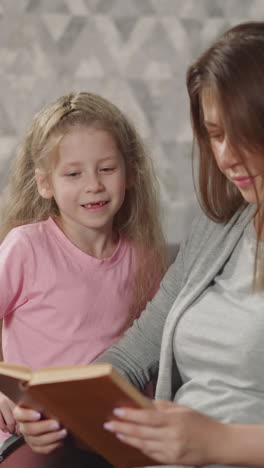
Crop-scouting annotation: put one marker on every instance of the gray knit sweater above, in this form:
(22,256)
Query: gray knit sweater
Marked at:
(148,345)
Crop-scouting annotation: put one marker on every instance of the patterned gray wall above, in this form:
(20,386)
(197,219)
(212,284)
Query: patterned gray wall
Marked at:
(134,52)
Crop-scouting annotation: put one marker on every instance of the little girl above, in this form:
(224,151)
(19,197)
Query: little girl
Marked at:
(82,247)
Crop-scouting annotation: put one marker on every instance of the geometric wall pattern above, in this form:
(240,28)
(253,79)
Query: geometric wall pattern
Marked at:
(133,52)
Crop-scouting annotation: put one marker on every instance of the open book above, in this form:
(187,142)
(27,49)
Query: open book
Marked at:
(82,398)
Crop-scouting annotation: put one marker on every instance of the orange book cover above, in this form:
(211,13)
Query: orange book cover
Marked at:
(82,398)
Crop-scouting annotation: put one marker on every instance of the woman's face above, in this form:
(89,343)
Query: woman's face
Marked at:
(248,173)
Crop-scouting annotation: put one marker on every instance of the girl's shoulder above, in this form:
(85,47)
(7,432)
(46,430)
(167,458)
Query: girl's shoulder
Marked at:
(125,249)
(131,248)
(26,234)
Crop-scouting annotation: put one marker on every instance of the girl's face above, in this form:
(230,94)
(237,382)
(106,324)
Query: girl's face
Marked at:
(247,175)
(88,183)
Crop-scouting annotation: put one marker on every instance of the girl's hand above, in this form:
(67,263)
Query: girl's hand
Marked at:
(171,434)
(42,435)
(7,420)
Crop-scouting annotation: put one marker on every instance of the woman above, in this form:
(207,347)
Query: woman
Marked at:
(204,329)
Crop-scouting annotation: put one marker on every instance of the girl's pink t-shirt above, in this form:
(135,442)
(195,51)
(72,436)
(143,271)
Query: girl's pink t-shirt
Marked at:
(61,306)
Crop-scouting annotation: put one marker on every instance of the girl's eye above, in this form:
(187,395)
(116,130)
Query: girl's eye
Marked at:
(107,169)
(73,174)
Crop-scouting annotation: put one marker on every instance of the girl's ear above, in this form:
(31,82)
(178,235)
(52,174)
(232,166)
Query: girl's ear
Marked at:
(44,187)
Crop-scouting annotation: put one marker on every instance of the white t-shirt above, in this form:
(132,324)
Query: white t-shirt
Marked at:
(219,343)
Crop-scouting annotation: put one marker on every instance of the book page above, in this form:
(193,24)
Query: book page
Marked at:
(68,373)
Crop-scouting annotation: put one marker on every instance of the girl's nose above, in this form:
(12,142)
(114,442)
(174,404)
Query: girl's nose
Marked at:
(93,183)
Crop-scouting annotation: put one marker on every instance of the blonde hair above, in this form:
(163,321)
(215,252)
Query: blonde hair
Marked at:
(138,218)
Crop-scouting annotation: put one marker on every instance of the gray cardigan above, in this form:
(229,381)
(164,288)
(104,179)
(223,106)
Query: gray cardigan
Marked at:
(148,344)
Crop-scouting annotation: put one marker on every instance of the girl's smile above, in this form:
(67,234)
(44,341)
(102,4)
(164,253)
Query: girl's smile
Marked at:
(94,206)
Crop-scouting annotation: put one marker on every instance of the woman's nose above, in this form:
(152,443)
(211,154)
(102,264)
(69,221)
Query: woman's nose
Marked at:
(227,156)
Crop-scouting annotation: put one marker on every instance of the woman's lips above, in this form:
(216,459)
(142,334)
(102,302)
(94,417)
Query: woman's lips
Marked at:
(243,182)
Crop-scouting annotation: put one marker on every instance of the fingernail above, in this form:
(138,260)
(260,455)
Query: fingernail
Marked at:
(120,436)
(63,432)
(36,416)
(118,412)
(108,426)
(54,426)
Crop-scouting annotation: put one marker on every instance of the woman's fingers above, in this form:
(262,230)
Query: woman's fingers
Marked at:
(46,439)
(37,428)
(148,439)
(139,425)
(42,435)
(25,414)
(149,417)
(126,429)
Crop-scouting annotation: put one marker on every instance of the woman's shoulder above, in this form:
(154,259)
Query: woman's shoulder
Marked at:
(206,233)
(204,225)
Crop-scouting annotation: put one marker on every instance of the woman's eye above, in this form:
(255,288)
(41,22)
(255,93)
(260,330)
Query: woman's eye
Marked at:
(216,136)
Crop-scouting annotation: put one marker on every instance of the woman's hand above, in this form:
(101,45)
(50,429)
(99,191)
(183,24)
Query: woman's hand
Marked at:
(42,435)
(7,420)
(171,434)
